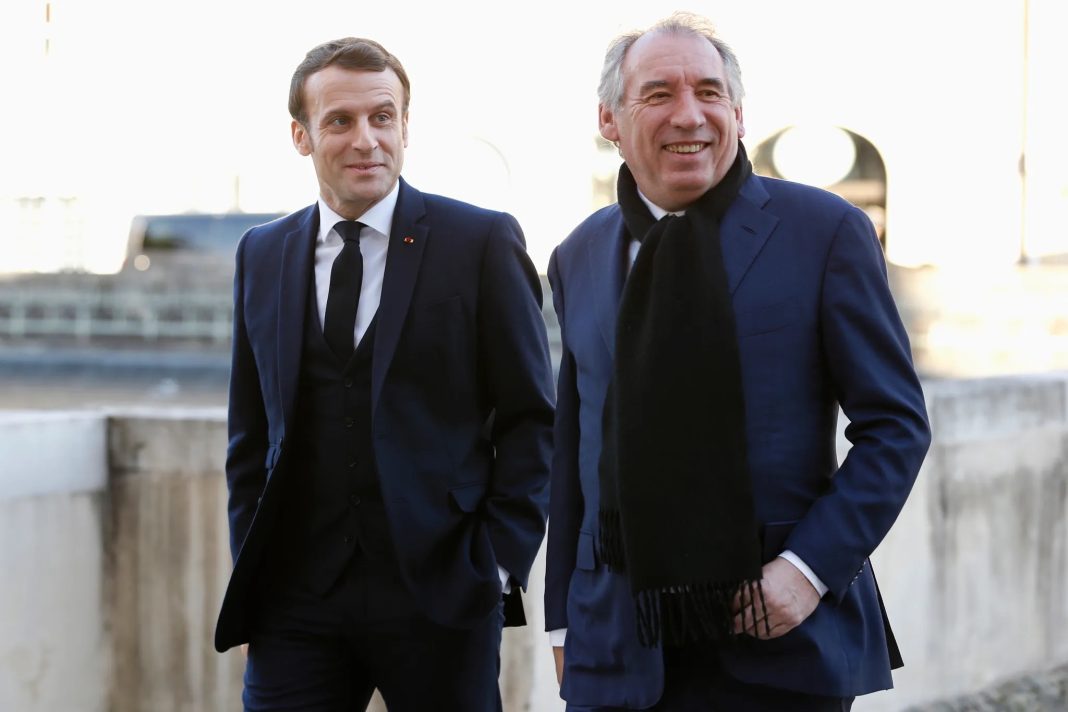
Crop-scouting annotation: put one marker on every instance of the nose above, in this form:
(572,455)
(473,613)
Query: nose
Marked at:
(363,139)
(687,113)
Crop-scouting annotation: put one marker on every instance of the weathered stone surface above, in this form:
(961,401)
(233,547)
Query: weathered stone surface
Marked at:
(168,560)
(114,563)
(1040,692)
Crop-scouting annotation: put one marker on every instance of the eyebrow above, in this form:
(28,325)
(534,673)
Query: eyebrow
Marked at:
(387,105)
(661,84)
(712,81)
(649,86)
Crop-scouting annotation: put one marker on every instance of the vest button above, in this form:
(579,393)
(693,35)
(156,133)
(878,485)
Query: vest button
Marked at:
(349,422)
(352,465)
(348,383)
(354,500)
(348,539)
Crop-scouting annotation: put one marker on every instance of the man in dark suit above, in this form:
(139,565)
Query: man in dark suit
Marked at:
(390,421)
(706,551)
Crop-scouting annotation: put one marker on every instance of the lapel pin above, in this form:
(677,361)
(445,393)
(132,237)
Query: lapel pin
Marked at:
(409,240)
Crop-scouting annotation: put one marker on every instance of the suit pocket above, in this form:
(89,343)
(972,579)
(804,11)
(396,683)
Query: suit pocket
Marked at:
(272,456)
(468,497)
(585,555)
(764,319)
(274,451)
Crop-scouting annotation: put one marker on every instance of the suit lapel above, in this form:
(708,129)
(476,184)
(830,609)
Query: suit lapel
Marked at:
(745,229)
(407,240)
(606,250)
(298,257)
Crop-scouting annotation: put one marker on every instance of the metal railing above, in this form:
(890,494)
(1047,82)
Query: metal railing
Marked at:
(139,315)
(91,309)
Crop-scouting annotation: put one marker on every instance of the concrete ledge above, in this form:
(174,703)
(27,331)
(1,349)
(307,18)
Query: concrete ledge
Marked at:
(996,407)
(113,546)
(51,453)
(165,443)
(975,571)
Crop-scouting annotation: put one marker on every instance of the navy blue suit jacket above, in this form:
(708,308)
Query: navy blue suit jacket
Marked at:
(817,328)
(461,401)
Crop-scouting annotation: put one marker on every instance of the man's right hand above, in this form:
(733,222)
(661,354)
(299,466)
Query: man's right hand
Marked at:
(558,653)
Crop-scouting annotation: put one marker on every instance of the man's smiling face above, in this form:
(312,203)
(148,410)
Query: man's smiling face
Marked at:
(355,133)
(677,127)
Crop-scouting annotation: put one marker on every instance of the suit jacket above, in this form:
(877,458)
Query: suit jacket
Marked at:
(461,401)
(817,328)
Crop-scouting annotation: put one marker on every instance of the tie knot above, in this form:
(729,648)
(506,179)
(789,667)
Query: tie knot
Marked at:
(349,230)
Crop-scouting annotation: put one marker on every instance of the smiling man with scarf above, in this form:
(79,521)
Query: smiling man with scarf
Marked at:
(706,550)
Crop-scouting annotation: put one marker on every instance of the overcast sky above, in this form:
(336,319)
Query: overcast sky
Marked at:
(146,106)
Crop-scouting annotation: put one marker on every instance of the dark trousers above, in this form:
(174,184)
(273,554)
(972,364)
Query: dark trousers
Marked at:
(694,681)
(328,653)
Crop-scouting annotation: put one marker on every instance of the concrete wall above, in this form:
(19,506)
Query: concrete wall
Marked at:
(168,563)
(113,557)
(54,650)
(114,554)
(975,572)
(1043,691)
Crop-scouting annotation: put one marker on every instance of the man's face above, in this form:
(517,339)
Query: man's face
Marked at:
(677,129)
(356,135)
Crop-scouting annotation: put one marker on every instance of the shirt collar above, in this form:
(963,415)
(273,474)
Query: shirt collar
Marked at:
(656,210)
(379,217)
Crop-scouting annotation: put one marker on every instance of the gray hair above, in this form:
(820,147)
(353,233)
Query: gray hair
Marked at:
(610,90)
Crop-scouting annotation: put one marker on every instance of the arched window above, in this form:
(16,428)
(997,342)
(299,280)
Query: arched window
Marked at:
(832,158)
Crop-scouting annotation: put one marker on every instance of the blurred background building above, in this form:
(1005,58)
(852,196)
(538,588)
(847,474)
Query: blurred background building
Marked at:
(946,124)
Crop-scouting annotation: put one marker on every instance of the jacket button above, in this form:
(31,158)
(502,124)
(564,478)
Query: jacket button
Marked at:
(348,539)
(349,422)
(348,383)
(354,500)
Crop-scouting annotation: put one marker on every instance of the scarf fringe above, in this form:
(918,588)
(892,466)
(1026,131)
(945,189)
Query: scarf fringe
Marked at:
(690,613)
(697,613)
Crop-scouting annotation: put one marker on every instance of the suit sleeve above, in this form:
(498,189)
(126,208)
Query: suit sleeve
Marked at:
(867,354)
(565,492)
(246,423)
(514,354)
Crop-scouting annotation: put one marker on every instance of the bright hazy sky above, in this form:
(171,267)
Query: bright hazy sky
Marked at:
(147,106)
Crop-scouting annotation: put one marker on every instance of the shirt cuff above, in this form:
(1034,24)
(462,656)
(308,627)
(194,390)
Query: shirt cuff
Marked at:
(506,584)
(556,637)
(794,559)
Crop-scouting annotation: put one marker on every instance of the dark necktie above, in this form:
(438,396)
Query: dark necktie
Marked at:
(346,276)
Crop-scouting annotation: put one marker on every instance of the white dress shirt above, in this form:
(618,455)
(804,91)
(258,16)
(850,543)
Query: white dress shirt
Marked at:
(374,241)
(374,246)
(557,637)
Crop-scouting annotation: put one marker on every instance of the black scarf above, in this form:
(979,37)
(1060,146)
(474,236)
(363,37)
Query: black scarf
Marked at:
(676,498)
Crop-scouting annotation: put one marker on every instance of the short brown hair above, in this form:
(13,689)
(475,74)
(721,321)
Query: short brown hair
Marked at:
(349,53)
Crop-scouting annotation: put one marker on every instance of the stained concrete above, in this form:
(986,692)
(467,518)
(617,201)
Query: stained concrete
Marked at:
(113,548)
